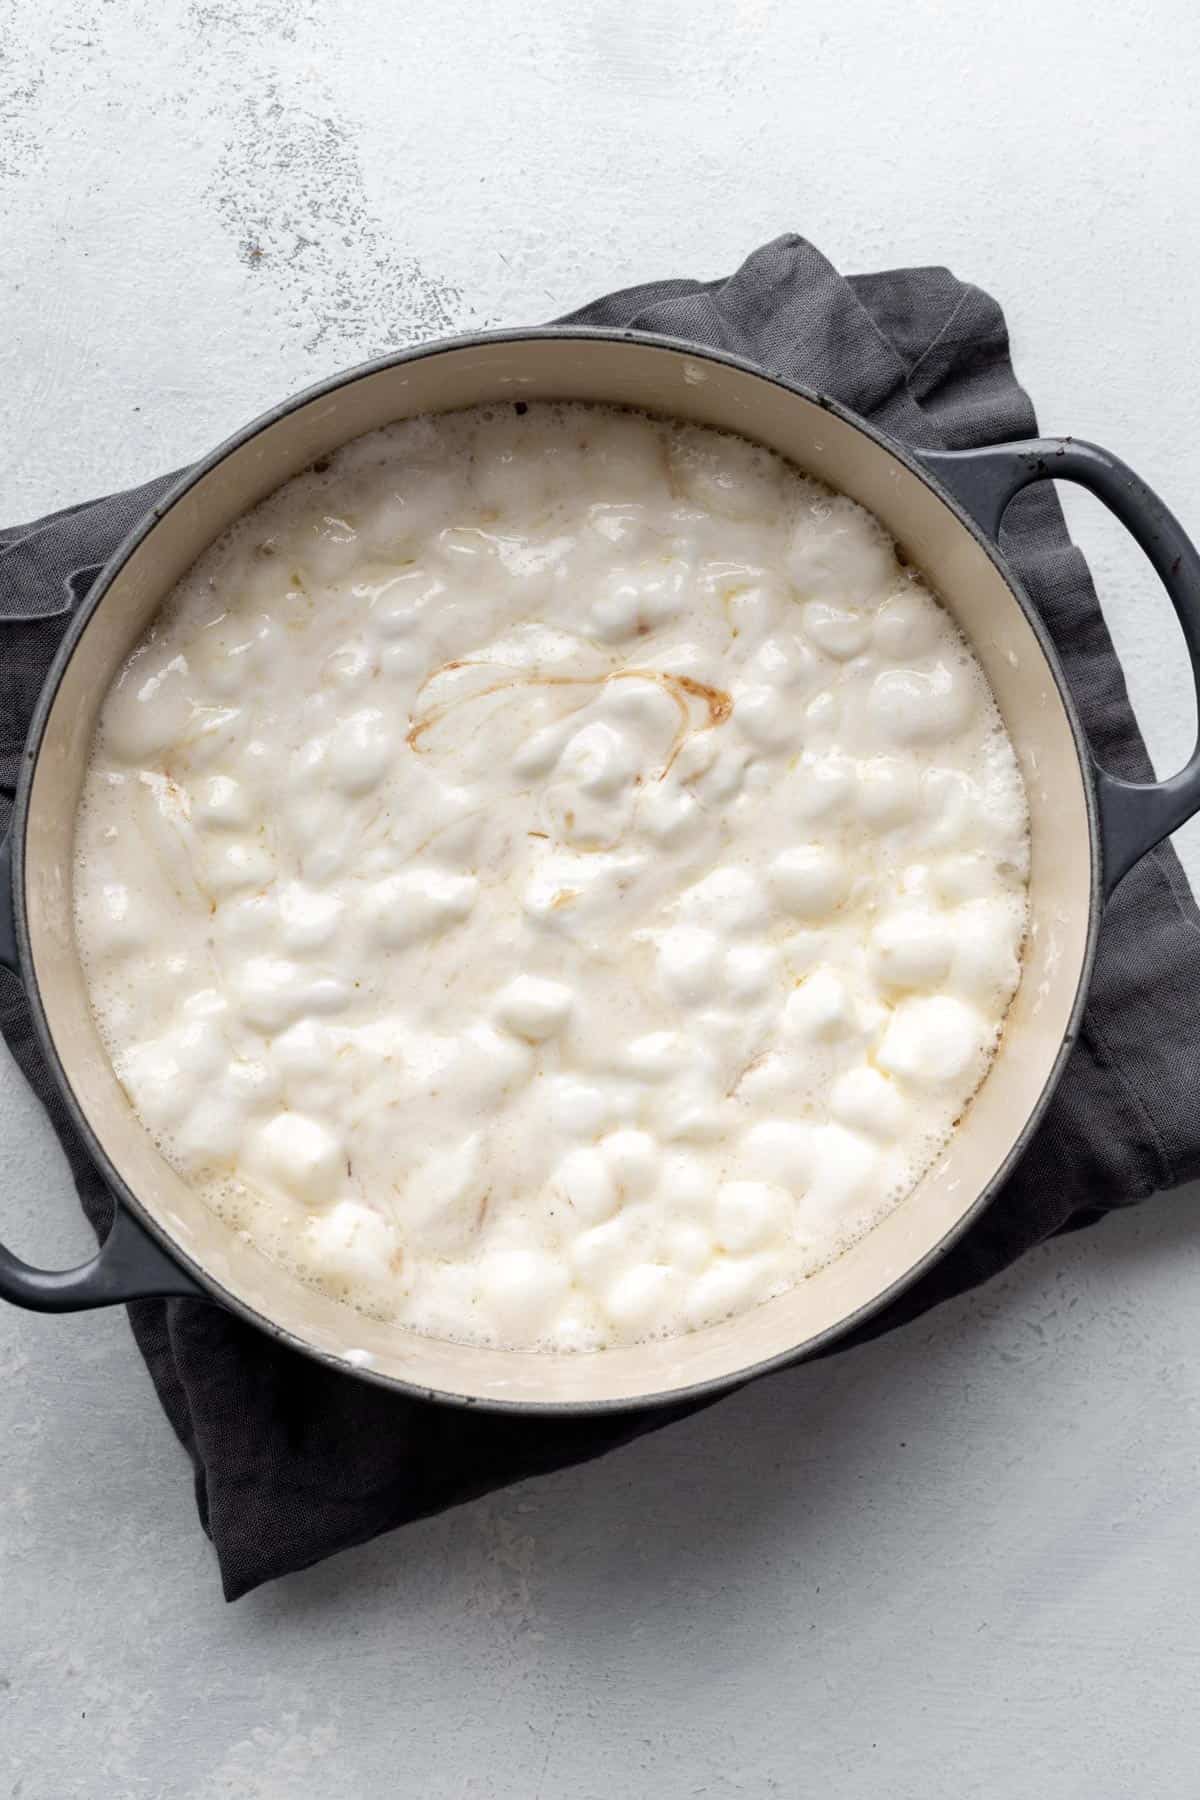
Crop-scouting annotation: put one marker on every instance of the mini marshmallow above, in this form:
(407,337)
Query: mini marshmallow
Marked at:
(909,624)
(399,606)
(952,804)
(750,971)
(533,1008)
(634,1160)
(268,992)
(722,474)
(151,1076)
(599,759)
(823,717)
(687,963)
(576,1108)
(729,900)
(807,880)
(521,1288)
(299,1155)
(657,1056)
(353,1243)
(641,1297)
(686,1186)
(780,1151)
(839,630)
(614,613)
(987,936)
(419,903)
(211,1135)
(305,1048)
(360,750)
(754,610)
(750,1214)
(442,1197)
(910,948)
(889,792)
(864,1100)
(251,1083)
(122,919)
(784,662)
(351,665)
(221,803)
(687,1247)
(230,867)
(586,1181)
(692,1111)
(309,918)
(724,777)
(914,707)
(671,816)
(819,788)
(836,547)
(727,1287)
(148,709)
(599,1255)
(845,1174)
(768,717)
(970,875)
(820,1008)
(932,1040)
(488,1064)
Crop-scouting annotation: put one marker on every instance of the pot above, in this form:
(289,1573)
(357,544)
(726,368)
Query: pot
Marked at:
(943,508)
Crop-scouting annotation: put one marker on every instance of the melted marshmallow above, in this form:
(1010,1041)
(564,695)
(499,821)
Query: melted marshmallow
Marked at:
(551,877)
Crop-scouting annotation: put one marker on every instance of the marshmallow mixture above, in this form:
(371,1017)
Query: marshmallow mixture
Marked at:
(551,876)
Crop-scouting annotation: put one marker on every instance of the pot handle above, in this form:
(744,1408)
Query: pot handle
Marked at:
(129,1265)
(1134,815)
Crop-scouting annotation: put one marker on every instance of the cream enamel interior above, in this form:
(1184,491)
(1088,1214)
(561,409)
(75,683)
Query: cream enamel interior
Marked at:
(672,382)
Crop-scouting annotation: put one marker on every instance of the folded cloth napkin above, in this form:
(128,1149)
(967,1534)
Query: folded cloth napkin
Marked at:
(294,1461)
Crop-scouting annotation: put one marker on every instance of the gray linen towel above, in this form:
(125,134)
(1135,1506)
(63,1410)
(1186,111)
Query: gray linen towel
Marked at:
(294,1461)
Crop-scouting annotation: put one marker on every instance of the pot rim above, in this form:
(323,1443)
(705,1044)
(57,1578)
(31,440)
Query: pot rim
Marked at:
(695,1392)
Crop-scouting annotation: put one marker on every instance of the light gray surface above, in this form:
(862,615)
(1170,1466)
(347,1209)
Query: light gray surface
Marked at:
(961,1562)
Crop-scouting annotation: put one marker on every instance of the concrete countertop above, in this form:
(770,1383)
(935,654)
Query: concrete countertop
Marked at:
(961,1562)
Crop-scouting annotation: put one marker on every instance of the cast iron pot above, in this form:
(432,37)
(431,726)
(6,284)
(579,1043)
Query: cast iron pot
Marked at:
(944,509)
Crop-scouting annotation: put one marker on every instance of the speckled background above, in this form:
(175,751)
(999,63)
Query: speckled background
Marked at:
(962,1562)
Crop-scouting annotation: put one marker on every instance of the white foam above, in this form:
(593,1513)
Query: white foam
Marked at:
(552,878)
